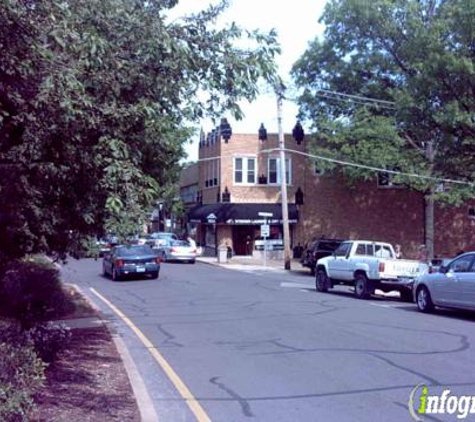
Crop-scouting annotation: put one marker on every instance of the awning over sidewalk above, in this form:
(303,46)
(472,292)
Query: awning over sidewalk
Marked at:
(227,213)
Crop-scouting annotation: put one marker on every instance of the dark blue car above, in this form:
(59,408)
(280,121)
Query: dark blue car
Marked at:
(131,260)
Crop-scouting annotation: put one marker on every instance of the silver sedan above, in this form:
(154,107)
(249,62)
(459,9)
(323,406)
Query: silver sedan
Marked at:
(452,287)
(176,250)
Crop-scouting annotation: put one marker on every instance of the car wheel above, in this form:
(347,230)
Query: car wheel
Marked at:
(321,281)
(192,261)
(424,301)
(362,288)
(115,275)
(155,275)
(406,296)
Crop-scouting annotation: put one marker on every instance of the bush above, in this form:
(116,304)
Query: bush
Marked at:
(49,339)
(31,292)
(21,374)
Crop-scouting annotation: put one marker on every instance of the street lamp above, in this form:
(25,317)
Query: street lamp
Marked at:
(160,207)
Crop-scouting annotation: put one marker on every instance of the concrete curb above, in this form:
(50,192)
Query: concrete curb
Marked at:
(238,266)
(142,396)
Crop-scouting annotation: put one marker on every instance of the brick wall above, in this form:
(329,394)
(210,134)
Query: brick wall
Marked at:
(332,207)
(455,229)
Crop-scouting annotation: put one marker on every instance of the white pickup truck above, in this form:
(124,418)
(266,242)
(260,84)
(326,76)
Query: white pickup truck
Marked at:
(367,266)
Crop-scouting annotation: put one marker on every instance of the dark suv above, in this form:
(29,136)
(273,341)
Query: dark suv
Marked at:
(319,248)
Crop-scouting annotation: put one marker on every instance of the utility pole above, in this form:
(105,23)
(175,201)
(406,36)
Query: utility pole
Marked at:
(429,203)
(279,90)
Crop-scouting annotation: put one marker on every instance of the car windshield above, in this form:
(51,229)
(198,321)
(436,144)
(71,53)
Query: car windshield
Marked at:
(134,250)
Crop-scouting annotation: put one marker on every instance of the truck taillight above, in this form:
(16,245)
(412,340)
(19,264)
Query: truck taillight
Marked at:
(119,263)
(381,267)
(158,260)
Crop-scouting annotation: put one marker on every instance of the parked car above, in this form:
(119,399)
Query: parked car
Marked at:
(177,250)
(452,287)
(157,239)
(318,249)
(367,266)
(103,246)
(129,260)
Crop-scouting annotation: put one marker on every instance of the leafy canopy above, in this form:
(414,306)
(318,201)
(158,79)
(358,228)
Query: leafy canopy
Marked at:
(96,99)
(419,56)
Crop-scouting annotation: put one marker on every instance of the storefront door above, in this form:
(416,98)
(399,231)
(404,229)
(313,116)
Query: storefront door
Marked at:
(243,240)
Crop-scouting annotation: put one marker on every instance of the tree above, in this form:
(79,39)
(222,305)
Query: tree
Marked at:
(96,103)
(418,56)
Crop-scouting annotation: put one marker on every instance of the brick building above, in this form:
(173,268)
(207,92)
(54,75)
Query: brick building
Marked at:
(239,177)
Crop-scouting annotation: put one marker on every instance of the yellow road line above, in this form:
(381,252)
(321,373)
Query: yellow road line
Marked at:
(185,393)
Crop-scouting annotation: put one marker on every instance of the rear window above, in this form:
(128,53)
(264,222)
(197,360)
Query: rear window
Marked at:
(134,250)
(365,249)
(382,251)
(328,246)
(179,243)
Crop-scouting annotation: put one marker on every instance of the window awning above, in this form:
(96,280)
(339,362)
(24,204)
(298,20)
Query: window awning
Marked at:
(231,213)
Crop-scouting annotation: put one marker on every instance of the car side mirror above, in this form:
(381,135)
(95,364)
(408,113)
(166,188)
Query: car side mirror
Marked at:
(443,269)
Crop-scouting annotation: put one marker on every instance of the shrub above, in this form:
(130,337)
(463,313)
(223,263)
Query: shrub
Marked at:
(49,339)
(31,292)
(21,374)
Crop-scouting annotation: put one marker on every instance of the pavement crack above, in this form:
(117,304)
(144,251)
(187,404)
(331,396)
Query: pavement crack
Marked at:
(251,305)
(136,296)
(405,369)
(279,344)
(245,406)
(169,338)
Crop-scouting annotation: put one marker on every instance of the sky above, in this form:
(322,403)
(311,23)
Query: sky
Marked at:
(296,23)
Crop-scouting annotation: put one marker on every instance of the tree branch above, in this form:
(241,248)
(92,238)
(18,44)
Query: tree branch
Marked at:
(414,144)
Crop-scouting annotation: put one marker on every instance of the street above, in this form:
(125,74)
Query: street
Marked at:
(266,346)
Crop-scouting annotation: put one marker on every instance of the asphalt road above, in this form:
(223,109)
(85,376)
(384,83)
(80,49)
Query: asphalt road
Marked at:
(267,347)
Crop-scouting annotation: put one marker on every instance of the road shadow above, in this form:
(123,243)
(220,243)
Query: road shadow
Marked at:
(130,278)
(458,314)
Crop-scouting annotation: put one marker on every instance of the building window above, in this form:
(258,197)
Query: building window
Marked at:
(274,170)
(386,180)
(245,170)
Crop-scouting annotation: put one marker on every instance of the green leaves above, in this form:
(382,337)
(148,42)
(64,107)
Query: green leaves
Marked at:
(417,54)
(93,102)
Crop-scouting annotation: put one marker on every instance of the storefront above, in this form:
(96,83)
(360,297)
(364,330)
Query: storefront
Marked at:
(238,226)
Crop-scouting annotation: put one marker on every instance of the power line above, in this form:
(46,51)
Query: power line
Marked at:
(341,96)
(354,101)
(377,169)
(358,97)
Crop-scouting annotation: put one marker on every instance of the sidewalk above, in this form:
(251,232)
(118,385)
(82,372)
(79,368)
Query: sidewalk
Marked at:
(250,263)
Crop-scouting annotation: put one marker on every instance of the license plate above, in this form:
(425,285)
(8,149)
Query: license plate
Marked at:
(140,269)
